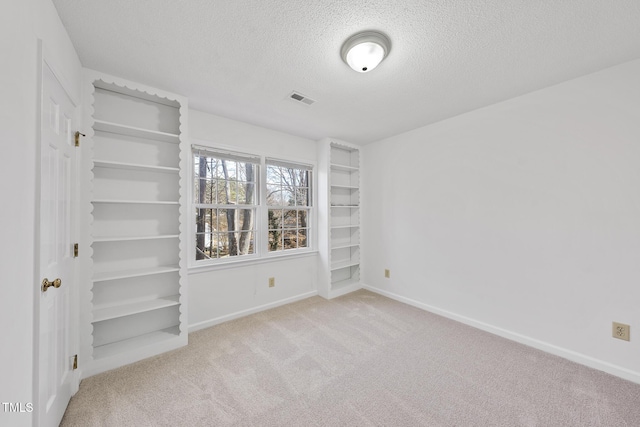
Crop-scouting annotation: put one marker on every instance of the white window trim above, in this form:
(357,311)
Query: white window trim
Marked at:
(262,253)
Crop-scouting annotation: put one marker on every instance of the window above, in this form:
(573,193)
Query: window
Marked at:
(225,204)
(288,201)
(247,206)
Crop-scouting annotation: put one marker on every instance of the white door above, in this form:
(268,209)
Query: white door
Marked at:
(57,206)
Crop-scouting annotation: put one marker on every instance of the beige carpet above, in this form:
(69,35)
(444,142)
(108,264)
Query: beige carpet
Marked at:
(359,360)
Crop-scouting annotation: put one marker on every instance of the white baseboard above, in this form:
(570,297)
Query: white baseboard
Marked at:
(243,313)
(571,355)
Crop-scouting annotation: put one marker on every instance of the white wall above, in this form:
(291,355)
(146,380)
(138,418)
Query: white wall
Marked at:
(22,22)
(225,293)
(522,218)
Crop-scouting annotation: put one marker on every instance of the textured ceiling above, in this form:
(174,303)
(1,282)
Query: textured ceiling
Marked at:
(241,59)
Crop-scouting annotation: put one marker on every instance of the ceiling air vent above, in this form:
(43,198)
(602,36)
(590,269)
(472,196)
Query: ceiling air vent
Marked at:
(297,96)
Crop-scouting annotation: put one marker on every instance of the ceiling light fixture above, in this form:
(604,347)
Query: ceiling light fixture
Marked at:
(364,51)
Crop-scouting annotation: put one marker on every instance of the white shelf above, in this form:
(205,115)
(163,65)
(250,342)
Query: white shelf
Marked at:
(344,264)
(133,238)
(133,166)
(104,126)
(136,202)
(135,343)
(115,275)
(345,187)
(350,245)
(345,226)
(347,168)
(121,310)
(344,284)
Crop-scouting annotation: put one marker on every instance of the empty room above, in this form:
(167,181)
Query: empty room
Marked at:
(325,213)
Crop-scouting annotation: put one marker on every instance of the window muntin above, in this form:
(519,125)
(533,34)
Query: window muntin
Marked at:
(288,197)
(225,202)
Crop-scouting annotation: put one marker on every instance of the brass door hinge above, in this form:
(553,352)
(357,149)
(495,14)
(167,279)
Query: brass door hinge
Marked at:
(78,134)
(75,250)
(75,362)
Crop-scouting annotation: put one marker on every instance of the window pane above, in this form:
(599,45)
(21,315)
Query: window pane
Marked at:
(233,192)
(275,219)
(302,219)
(223,219)
(304,178)
(196,190)
(201,246)
(222,244)
(213,190)
(246,244)
(274,195)
(247,193)
(201,214)
(302,238)
(246,219)
(289,238)
(302,197)
(205,224)
(200,251)
(290,219)
(275,240)
(215,169)
(221,192)
(273,175)
(229,169)
(241,174)
(196,167)
(205,191)
(288,196)
(212,220)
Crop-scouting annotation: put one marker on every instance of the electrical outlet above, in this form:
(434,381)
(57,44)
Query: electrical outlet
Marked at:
(272,282)
(621,331)
(387,273)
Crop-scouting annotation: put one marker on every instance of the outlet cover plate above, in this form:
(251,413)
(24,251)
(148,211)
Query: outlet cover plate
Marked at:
(621,331)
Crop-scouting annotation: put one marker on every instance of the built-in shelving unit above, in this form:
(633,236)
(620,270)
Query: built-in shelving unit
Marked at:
(135,271)
(339,217)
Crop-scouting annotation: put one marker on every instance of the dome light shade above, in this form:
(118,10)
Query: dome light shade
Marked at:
(364,51)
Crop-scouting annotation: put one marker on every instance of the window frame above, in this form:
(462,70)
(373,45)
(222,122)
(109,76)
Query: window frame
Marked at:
(230,183)
(297,208)
(261,251)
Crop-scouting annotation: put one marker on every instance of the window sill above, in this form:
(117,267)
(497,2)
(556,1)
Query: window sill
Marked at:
(196,269)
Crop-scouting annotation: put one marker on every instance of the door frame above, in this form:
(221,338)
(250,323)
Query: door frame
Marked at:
(46,58)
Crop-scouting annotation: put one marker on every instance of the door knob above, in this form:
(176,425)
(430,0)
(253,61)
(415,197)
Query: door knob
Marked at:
(46,284)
